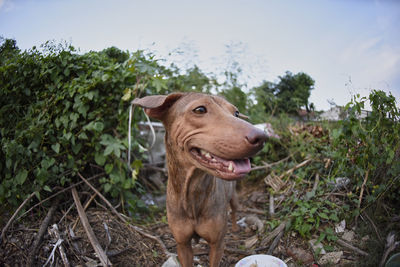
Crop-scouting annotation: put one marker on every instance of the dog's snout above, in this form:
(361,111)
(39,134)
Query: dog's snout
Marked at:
(256,137)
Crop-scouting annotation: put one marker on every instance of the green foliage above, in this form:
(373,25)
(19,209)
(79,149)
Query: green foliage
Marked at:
(370,145)
(62,112)
(308,215)
(365,150)
(287,96)
(193,80)
(237,97)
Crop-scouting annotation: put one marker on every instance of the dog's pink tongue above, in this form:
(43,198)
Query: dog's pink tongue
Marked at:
(242,166)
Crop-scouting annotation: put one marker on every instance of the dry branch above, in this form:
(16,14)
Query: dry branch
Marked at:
(42,230)
(59,192)
(252,210)
(374,226)
(276,182)
(239,251)
(3,232)
(362,188)
(349,246)
(89,231)
(84,208)
(272,235)
(290,171)
(136,228)
(389,247)
(275,242)
(271,205)
(269,165)
(57,236)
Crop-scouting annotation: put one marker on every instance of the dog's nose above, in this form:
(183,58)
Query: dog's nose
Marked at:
(256,137)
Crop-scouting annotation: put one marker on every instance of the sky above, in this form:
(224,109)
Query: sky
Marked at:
(347,46)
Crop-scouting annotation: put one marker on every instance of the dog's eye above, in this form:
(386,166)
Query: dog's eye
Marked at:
(237,113)
(200,110)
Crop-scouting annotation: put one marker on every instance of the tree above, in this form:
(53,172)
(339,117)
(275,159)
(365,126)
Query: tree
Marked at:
(7,48)
(289,95)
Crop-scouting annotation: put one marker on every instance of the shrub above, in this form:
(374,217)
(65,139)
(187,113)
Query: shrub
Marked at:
(62,112)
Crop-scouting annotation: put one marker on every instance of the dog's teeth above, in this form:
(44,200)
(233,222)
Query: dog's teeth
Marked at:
(230,168)
(208,155)
(202,152)
(213,160)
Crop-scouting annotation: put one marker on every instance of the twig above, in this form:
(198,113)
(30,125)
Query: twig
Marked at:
(84,208)
(362,188)
(269,165)
(314,189)
(57,236)
(316,182)
(3,232)
(374,226)
(389,247)
(42,230)
(275,242)
(347,245)
(271,204)
(239,251)
(361,195)
(89,231)
(253,210)
(113,253)
(272,235)
(66,213)
(136,228)
(108,236)
(290,171)
(59,192)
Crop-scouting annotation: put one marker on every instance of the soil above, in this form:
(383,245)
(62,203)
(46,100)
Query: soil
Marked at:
(126,247)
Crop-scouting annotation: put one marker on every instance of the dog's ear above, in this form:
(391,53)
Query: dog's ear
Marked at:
(156,106)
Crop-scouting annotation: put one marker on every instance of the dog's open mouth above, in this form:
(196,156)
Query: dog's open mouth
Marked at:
(225,168)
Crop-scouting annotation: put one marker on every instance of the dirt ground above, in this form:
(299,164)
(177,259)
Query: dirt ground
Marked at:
(125,246)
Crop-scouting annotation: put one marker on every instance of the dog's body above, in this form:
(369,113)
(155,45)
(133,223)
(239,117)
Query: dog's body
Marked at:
(204,140)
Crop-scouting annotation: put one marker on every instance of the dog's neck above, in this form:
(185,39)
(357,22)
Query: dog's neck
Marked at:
(188,186)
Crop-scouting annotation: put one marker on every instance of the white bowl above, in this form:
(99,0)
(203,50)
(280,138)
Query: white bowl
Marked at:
(260,260)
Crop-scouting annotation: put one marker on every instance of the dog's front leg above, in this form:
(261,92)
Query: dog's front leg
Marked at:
(216,252)
(183,231)
(185,253)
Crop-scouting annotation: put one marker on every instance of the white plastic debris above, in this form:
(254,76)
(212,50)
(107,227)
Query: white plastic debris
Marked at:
(171,262)
(242,222)
(317,247)
(340,227)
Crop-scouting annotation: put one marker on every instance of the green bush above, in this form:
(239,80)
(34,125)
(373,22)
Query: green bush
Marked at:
(368,150)
(62,112)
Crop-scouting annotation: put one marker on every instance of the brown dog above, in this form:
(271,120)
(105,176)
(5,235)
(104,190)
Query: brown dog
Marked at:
(205,139)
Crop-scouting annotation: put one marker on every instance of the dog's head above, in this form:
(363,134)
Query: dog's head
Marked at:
(208,130)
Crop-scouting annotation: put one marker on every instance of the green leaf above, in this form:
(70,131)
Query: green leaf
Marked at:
(21,176)
(98,126)
(108,150)
(334,217)
(56,147)
(83,136)
(107,187)
(100,159)
(76,148)
(105,77)
(108,168)
(47,163)
(324,216)
(37,194)
(47,188)
(321,237)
